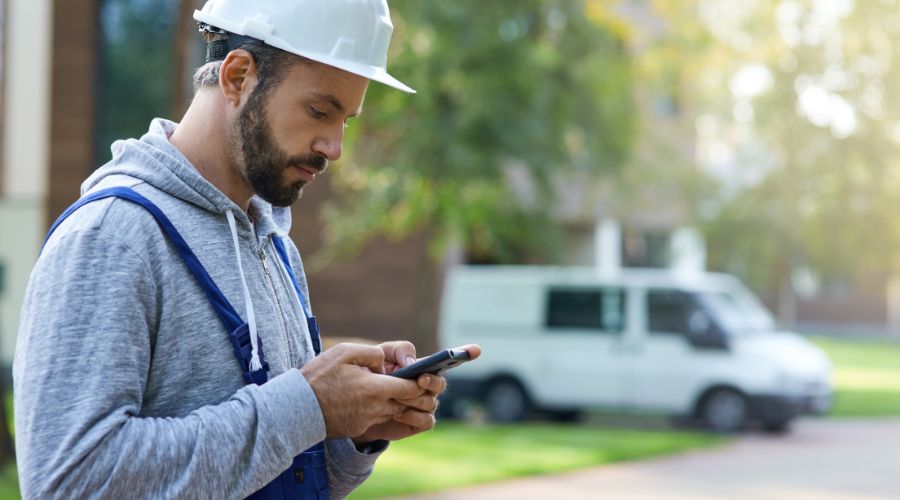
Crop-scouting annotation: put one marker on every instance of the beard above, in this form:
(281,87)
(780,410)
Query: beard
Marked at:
(264,163)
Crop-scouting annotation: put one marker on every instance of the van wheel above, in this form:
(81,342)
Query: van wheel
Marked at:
(505,401)
(724,410)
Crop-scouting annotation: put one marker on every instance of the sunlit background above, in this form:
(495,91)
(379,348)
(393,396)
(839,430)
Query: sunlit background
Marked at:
(757,138)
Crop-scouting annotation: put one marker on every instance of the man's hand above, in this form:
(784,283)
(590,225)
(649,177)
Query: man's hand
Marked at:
(397,354)
(353,393)
(419,413)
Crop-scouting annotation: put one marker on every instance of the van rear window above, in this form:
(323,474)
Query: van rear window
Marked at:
(593,309)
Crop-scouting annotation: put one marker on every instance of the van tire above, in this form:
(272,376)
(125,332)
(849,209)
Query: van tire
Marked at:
(505,401)
(724,410)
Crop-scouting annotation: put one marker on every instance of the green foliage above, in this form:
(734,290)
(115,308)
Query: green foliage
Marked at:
(819,137)
(530,86)
(456,455)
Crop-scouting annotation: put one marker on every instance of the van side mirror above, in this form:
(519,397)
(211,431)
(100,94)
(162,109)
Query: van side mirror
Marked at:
(704,333)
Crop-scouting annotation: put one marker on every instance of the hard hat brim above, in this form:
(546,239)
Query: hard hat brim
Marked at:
(374,73)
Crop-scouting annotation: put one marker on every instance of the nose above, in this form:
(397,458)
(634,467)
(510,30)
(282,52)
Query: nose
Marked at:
(330,145)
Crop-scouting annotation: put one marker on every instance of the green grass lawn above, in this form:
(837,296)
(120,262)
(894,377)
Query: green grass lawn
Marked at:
(455,454)
(867,383)
(866,376)
(9,483)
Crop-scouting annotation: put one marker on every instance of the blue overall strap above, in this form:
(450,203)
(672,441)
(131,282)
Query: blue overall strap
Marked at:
(307,477)
(237,329)
(311,322)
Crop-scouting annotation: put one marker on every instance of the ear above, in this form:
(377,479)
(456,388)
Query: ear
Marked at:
(237,76)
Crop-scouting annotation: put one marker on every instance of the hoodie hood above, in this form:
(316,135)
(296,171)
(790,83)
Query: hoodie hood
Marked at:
(155,160)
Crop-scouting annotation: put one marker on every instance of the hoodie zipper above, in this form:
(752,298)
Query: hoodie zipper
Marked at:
(284,328)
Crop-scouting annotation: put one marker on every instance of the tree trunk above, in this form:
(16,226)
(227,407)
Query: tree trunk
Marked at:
(428,299)
(785,298)
(185,37)
(893,300)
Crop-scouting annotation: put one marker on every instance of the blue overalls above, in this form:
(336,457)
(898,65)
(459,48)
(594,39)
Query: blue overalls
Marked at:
(307,477)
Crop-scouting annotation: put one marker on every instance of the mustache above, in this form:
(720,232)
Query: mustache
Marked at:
(317,162)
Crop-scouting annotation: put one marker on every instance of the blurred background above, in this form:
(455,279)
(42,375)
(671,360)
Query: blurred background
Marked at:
(757,138)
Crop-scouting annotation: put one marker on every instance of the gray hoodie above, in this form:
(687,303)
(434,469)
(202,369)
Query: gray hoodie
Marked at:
(125,381)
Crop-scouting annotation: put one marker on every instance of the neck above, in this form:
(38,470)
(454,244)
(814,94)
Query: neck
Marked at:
(202,139)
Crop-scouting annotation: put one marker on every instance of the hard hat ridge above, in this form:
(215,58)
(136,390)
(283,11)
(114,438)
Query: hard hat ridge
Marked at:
(352,35)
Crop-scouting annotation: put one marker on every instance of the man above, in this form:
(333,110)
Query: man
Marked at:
(166,347)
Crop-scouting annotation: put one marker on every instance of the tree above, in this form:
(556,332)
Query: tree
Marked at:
(527,88)
(797,119)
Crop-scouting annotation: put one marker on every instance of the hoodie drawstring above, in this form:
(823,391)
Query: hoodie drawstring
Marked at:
(288,283)
(255,364)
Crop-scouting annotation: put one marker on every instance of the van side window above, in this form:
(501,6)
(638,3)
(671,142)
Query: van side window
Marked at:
(595,309)
(676,312)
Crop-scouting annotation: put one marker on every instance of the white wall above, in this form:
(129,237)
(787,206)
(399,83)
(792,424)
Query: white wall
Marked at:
(26,82)
(26,153)
(21,230)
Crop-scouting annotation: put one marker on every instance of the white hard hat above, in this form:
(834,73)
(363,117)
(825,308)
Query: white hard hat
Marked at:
(352,35)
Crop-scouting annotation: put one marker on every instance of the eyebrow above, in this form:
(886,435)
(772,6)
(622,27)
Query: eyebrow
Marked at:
(334,101)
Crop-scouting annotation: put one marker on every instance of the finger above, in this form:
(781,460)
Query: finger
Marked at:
(474,350)
(371,357)
(426,403)
(395,388)
(388,411)
(421,421)
(399,352)
(434,384)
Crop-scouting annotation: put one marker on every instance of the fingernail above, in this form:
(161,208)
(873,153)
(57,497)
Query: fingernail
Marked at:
(410,360)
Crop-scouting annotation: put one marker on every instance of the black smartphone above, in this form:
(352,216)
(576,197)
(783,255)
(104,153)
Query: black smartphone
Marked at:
(437,363)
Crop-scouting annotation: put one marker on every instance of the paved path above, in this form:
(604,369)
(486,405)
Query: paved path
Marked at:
(819,460)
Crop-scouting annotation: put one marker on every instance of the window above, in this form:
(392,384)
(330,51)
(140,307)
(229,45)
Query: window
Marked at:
(589,309)
(677,312)
(141,71)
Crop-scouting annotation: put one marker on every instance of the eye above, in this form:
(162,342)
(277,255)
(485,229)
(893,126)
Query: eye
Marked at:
(317,113)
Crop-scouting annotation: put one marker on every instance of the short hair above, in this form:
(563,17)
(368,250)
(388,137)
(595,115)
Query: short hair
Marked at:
(271,64)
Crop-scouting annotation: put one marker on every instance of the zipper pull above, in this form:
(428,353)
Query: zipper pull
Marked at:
(262,257)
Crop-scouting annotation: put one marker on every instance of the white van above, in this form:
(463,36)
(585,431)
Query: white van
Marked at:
(648,341)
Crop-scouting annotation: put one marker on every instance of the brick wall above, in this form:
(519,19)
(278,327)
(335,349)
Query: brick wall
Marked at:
(389,291)
(72,121)
(864,302)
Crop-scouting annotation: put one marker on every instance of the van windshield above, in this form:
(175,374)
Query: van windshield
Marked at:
(737,312)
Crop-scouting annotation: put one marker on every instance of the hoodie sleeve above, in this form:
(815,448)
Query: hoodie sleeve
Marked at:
(348,467)
(80,369)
